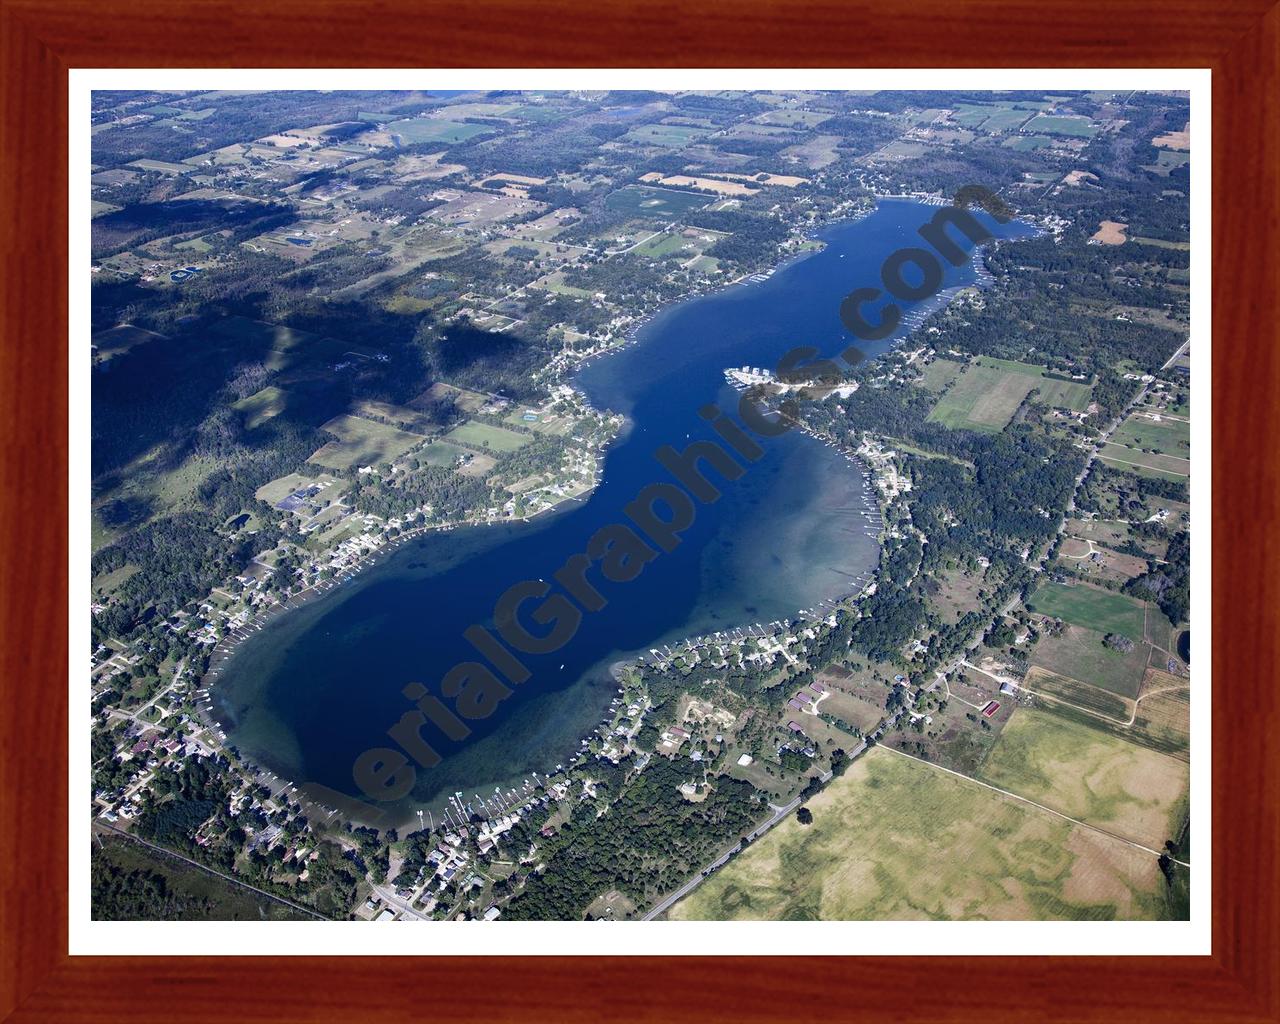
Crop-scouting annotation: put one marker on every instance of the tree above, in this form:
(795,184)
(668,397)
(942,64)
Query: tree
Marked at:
(804,816)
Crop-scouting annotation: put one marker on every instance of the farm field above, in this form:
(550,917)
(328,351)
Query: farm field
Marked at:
(1027,143)
(261,406)
(658,202)
(675,136)
(421,129)
(940,373)
(1164,436)
(1090,775)
(1080,654)
(1100,610)
(362,443)
(982,398)
(441,453)
(482,435)
(899,839)
(162,166)
(1167,467)
(1082,695)
(1079,127)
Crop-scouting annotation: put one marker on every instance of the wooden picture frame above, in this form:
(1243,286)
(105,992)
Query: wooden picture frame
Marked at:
(42,39)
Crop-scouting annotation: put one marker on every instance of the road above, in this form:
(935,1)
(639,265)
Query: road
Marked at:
(204,867)
(889,723)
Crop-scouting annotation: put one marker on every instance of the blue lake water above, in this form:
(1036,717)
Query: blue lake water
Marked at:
(322,683)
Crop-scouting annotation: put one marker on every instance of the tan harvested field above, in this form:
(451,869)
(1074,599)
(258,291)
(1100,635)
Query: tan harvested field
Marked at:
(899,839)
(724,188)
(1078,177)
(1110,232)
(785,180)
(1174,140)
(1091,775)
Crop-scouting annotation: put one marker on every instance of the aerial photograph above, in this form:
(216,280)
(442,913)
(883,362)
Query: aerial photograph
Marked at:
(623,505)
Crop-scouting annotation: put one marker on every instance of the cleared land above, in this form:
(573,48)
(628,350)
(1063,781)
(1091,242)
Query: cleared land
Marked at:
(1101,610)
(1085,696)
(1155,433)
(1079,127)
(420,129)
(482,435)
(362,443)
(1080,654)
(643,199)
(983,397)
(898,839)
(261,406)
(1110,232)
(1095,777)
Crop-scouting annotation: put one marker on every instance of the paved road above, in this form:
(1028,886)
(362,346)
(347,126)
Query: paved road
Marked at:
(698,879)
(892,721)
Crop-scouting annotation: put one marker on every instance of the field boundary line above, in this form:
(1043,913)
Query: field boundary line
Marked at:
(1042,807)
(212,871)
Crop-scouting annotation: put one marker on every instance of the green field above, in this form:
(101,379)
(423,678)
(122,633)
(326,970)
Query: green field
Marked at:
(160,165)
(1079,653)
(793,118)
(441,453)
(489,438)
(984,397)
(362,443)
(1026,143)
(1085,696)
(1053,391)
(1079,127)
(939,373)
(1100,610)
(415,130)
(1166,467)
(1165,436)
(675,136)
(898,839)
(261,406)
(661,202)
(1090,775)
(1167,161)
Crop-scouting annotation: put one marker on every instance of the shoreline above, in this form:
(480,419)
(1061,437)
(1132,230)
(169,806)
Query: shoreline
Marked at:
(563,375)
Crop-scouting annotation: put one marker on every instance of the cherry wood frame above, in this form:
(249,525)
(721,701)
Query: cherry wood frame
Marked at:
(41,39)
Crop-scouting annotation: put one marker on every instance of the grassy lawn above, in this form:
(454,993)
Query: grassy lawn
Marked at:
(1101,610)
(421,129)
(1166,467)
(939,373)
(1080,127)
(362,443)
(1163,436)
(261,406)
(1082,695)
(661,202)
(482,435)
(1080,654)
(899,839)
(676,136)
(1090,775)
(982,398)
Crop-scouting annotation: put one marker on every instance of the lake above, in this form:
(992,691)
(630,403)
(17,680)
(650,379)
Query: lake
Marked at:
(323,683)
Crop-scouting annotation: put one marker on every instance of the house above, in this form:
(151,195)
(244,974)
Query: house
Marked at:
(492,914)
